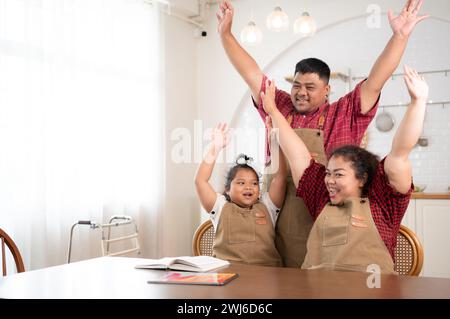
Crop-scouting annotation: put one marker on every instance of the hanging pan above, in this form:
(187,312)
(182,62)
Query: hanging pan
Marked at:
(384,122)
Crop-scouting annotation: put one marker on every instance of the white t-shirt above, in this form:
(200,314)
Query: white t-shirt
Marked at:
(215,213)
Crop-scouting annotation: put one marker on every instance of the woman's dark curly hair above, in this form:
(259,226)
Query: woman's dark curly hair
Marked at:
(363,162)
(242,162)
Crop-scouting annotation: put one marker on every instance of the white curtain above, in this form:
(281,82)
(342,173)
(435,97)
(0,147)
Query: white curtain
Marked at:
(81,123)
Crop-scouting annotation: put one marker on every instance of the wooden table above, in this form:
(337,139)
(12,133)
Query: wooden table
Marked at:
(116,277)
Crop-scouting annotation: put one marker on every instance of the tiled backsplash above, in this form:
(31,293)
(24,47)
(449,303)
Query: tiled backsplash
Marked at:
(431,164)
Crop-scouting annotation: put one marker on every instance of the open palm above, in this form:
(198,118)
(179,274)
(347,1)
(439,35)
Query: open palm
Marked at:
(417,87)
(220,136)
(268,97)
(224,17)
(404,23)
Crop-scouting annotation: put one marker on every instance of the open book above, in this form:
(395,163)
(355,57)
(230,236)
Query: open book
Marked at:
(197,263)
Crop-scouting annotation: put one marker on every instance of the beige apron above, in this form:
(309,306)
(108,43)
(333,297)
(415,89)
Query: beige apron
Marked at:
(294,221)
(345,237)
(246,235)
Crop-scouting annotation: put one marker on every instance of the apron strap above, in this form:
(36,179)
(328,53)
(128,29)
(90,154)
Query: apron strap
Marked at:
(320,123)
(322,117)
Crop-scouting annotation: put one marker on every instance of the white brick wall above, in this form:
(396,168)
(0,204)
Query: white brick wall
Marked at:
(431,164)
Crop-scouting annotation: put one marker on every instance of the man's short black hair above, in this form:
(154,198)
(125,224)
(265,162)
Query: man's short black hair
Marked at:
(313,65)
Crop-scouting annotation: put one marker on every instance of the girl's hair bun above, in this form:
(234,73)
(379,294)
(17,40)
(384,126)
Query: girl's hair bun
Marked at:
(243,159)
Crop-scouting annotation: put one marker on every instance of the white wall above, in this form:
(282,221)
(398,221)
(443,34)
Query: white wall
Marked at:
(181,211)
(188,6)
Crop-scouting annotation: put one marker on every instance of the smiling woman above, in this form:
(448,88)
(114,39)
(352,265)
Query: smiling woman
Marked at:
(349,173)
(80,127)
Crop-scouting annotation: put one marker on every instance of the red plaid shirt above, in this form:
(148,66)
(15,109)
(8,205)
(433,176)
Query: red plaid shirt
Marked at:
(344,122)
(386,205)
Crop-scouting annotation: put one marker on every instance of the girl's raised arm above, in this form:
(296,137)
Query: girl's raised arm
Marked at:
(206,193)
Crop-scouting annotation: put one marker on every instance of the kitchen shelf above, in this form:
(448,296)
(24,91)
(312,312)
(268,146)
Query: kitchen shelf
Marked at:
(443,103)
(393,76)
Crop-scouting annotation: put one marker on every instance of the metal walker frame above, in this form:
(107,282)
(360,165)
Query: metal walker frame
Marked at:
(114,221)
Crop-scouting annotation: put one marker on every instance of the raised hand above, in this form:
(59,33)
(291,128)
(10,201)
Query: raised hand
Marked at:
(220,136)
(417,87)
(404,23)
(268,97)
(224,17)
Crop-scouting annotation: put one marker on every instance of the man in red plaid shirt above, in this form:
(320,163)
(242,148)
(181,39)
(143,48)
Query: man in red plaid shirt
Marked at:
(321,125)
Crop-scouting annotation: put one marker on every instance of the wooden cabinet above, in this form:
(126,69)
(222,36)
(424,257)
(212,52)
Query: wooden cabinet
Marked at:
(430,220)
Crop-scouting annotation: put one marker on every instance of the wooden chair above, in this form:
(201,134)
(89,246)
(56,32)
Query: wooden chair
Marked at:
(202,243)
(408,253)
(5,239)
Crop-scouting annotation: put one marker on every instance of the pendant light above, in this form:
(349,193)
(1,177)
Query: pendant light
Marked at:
(305,25)
(251,34)
(277,20)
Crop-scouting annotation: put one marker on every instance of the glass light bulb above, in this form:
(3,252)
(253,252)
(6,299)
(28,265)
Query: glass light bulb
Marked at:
(305,25)
(277,20)
(251,34)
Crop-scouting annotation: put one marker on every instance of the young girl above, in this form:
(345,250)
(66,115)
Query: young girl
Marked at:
(356,201)
(243,222)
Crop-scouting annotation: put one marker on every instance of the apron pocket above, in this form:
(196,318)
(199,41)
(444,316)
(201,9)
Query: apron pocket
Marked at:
(335,230)
(241,228)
